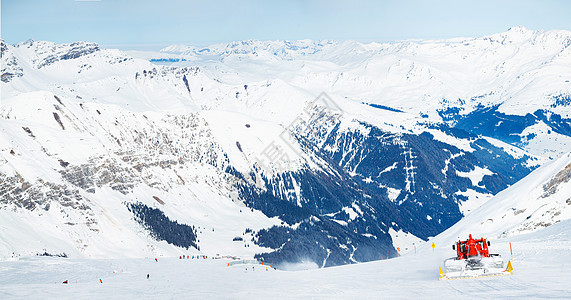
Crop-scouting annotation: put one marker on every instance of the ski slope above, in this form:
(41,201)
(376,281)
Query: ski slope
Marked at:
(541,262)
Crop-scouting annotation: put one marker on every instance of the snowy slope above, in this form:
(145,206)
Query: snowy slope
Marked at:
(539,261)
(87,217)
(539,200)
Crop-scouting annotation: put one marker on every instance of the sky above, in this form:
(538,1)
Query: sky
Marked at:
(145,24)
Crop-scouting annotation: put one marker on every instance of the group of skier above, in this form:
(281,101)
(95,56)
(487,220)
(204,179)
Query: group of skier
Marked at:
(192,257)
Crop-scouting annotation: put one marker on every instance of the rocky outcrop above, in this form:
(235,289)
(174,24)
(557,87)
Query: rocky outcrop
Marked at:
(69,51)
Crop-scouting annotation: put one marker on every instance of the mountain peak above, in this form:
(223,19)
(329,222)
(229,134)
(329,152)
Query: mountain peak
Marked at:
(518,34)
(519,29)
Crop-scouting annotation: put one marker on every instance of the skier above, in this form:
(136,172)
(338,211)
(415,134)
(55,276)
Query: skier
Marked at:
(147,276)
(65,282)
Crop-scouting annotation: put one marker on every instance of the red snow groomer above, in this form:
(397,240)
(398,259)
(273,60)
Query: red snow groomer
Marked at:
(473,259)
(471,248)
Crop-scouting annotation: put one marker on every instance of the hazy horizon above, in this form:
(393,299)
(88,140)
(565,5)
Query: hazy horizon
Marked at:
(148,25)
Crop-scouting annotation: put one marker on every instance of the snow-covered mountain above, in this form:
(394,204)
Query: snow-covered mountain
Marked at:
(303,150)
(541,199)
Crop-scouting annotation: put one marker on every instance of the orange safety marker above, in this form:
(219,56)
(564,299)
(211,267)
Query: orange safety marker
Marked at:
(509,268)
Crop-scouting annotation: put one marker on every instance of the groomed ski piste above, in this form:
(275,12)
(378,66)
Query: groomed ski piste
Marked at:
(540,259)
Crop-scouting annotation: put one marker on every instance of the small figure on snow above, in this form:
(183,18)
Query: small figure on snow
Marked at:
(148,276)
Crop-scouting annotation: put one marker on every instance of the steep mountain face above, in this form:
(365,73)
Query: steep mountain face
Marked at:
(538,201)
(410,181)
(10,67)
(234,149)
